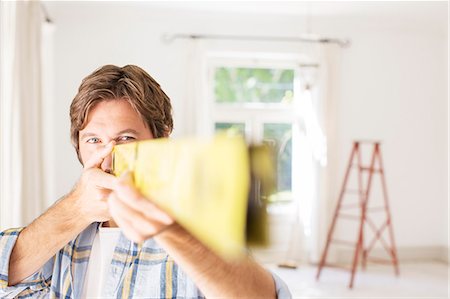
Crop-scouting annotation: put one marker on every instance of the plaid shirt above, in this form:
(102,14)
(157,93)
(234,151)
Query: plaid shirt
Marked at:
(136,271)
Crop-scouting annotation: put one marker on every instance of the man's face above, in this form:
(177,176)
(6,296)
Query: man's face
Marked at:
(111,120)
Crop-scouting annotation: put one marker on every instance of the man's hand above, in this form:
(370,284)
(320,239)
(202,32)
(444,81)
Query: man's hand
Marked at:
(86,204)
(137,216)
(94,186)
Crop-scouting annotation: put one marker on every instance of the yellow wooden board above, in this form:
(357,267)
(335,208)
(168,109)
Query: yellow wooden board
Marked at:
(204,185)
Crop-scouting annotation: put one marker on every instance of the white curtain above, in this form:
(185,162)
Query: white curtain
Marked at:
(314,143)
(22,164)
(326,106)
(195,109)
(329,178)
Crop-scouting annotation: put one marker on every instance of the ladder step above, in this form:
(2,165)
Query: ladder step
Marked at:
(366,168)
(368,141)
(373,169)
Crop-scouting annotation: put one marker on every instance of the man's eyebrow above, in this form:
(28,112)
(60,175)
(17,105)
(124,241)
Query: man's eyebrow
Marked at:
(87,134)
(128,131)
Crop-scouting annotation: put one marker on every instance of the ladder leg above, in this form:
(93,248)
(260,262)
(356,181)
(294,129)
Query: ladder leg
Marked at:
(356,256)
(364,202)
(364,259)
(361,203)
(393,249)
(336,213)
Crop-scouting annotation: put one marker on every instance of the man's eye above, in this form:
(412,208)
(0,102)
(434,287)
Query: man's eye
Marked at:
(125,138)
(93,140)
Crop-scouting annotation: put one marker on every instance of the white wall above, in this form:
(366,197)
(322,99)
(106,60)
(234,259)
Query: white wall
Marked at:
(392,85)
(397,93)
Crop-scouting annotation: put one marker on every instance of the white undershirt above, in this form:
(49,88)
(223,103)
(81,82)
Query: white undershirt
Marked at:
(99,261)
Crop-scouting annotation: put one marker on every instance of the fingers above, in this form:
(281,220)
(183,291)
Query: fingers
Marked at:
(127,229)
(102,179)
(97,158)
(135,225)
(138,217)
(131,197)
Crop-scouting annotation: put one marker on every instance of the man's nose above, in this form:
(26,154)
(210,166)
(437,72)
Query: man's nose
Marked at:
(106,165)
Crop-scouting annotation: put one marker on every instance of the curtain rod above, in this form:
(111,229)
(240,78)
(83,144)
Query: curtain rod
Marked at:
(343,43)
(46,16)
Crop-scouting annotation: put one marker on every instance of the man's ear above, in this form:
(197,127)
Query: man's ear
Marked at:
(79,156)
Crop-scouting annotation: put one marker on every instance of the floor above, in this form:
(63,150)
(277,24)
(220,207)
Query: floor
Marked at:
(416,280)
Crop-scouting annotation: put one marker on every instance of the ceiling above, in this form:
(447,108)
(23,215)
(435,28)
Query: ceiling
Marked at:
(423,12)
(414,9)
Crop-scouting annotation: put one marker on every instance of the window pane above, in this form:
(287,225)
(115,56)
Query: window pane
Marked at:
(253,85)
(279,136)
(230,128)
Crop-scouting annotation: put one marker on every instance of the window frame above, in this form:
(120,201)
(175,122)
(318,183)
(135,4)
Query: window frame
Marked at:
(253,115)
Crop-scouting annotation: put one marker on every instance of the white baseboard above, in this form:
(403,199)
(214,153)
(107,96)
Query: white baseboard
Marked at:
(405,254)
(345,256)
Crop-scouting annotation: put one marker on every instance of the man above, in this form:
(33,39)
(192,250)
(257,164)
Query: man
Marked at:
(75,250)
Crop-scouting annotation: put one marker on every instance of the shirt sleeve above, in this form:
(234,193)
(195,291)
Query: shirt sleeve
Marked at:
(281,287)
(36,284)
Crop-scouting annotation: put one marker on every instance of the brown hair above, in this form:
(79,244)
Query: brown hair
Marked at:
(130,83)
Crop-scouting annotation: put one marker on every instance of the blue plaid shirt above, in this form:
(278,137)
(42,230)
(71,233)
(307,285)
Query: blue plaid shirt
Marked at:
(136,271)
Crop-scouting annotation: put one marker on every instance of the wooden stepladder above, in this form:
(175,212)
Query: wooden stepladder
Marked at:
(362,249)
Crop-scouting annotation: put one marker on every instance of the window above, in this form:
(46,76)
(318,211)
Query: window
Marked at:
(230,128)
(253,85)
(255,100)
(279,136)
